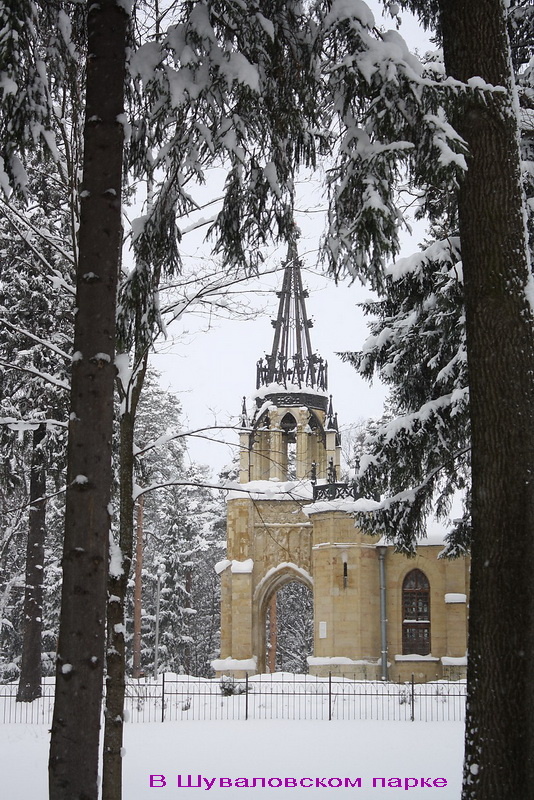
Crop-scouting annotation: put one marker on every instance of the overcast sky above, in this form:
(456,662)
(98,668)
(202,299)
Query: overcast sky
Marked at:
(210,363)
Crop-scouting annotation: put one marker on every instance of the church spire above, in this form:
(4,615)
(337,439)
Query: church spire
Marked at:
(291,361)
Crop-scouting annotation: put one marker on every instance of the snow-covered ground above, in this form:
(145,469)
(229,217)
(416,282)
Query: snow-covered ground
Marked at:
(287,741)
(269,749)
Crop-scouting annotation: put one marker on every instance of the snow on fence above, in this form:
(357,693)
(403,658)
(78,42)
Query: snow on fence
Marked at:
(279,696)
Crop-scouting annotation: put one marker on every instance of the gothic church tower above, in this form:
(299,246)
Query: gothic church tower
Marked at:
(377,614)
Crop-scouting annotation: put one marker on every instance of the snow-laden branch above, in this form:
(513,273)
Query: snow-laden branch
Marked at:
(42,375)
(38,232)
(30,424)
(289,490)
(409,494)
(32,336)
(42,499)
(169,437)
(213,285)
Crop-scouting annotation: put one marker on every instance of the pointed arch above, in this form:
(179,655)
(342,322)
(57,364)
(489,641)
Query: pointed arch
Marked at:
(272,581)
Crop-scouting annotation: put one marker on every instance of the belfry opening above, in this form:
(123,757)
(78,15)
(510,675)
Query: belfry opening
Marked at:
(292,523)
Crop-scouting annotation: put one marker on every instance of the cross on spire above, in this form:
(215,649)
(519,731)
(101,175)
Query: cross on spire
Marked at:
(291,360)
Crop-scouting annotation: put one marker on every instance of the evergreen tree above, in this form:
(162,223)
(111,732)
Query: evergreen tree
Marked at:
(418,457)
(40,142)
(187,542)
(500,354)
(183,533)
(73,765)
(37,320)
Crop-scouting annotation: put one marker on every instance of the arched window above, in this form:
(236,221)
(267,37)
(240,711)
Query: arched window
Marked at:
(289,443)
(416,614)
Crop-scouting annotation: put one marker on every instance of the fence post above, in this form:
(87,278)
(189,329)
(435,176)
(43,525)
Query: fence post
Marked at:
(163,697)
(329,696)
(413,700)
(246,695)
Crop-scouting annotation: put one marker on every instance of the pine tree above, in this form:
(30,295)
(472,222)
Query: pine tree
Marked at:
(73,765)
(499,348)
(39,135)
(182,533)
(37,323)
(418,455)
(294,614)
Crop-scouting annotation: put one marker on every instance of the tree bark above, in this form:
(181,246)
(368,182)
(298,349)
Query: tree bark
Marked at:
(30,669)
(73,764)
(136,667)
(499,744)
(118,587)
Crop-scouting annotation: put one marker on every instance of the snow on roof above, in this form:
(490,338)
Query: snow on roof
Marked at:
(236,566)
(316,661)
(242,567)
(291,388)
(455,597)
(222,664)
(272,490)
(415,657)
(450,661)
(342,504)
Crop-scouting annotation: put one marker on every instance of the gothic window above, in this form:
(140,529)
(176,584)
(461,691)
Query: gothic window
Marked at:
(416,614)
(289,427)
(289,443)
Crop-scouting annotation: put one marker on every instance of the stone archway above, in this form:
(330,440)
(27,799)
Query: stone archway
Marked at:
(289,629)
(276,580)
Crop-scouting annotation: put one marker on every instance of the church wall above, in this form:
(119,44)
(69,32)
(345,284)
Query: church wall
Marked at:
(285,544)
(448,631)
(348,603)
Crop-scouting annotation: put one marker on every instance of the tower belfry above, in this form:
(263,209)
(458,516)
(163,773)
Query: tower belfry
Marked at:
(293,434)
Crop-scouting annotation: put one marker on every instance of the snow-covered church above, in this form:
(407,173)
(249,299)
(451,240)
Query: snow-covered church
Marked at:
(377,614)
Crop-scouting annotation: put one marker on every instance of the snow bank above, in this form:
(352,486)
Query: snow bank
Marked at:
(261,748)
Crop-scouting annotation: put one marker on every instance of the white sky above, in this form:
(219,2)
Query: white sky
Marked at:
(211,363)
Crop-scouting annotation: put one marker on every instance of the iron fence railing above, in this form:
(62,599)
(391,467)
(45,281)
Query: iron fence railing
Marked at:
(278,696)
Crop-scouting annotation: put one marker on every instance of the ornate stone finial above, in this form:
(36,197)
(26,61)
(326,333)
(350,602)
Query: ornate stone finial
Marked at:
(331,418)
(244,415)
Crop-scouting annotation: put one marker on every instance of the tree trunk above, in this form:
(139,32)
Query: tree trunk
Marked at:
(73,765)
(118,587)
(115,656)
(499,744)
(187,661)
(138,607)
(30,669)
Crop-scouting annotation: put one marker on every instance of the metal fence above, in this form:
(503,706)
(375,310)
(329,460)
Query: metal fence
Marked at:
(278,696)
